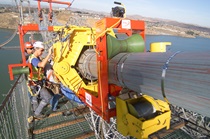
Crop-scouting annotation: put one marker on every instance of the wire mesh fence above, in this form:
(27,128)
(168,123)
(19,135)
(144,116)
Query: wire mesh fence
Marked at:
(14,112)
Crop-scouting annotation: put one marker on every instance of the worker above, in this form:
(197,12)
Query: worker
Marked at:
(35,82)
(28,49)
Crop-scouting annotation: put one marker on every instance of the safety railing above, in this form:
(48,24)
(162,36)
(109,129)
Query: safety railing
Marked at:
(14,112)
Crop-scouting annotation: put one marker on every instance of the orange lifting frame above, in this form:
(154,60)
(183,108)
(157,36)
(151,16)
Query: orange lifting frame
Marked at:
(104,88)
(50,7)
(23,29)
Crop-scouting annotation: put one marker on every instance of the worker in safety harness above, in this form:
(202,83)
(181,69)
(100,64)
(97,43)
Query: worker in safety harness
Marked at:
(40,95)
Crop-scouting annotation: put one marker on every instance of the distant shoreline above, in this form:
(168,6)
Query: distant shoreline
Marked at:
(9,20)
(155,34)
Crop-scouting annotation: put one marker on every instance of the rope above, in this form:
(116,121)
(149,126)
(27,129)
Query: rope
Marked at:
(102,33)
(165,67)
(94,41)
(13,35)
(72,2)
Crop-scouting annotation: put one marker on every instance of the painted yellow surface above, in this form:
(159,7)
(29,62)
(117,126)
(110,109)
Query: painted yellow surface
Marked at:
(159,46)
(139,127)
(66,53)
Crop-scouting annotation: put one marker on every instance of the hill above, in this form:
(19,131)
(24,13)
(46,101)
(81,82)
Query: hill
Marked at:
(82,17)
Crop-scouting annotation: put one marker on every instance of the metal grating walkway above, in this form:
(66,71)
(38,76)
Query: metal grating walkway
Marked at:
(178,134)
(56,125)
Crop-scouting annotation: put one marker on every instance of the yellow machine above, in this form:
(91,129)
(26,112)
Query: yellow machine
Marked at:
(67,53)
(79,65)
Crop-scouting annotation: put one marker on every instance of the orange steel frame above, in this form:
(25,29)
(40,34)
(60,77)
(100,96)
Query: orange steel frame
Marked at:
(100,103)
(53,1)
(50,6)
(23,29)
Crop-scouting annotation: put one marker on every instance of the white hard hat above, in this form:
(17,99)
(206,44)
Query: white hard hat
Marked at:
(38,44)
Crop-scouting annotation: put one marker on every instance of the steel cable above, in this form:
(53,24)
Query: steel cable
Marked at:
(14,33)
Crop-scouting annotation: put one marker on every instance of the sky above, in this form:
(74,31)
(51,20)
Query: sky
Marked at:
(195,12)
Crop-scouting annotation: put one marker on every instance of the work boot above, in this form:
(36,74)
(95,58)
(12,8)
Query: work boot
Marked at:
(40,116)
(67,113)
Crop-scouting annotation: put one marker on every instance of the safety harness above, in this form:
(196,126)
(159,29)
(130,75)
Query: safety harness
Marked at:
(35,82)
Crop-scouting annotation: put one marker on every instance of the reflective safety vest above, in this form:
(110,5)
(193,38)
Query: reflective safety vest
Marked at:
(37,73)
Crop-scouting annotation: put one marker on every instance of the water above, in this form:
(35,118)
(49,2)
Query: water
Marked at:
(7,57)
(181,44)
(14,56)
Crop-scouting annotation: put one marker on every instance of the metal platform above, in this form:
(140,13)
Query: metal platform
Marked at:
(67,122)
